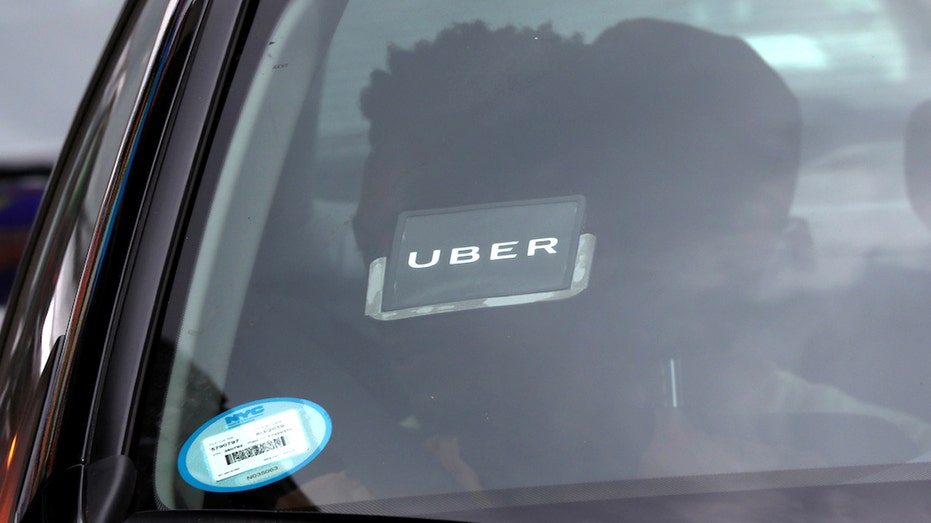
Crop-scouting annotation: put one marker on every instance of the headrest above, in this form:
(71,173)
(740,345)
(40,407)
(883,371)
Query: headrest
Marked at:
(918,161)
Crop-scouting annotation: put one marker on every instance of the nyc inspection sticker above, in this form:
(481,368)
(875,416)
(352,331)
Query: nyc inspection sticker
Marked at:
(254,444)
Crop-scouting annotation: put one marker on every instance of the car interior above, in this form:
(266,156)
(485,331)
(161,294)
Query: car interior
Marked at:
(759,279)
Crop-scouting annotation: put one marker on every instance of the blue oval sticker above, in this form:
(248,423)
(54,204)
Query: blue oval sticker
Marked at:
(254,444)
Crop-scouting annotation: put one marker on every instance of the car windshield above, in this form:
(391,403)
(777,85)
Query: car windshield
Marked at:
(452,255)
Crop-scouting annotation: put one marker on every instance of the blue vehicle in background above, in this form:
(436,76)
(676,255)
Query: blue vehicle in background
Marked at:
(19,202)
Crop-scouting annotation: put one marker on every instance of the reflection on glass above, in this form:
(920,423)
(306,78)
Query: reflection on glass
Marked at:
(756,289)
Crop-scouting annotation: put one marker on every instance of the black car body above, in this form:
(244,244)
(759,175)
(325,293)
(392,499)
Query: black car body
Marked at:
(548,261)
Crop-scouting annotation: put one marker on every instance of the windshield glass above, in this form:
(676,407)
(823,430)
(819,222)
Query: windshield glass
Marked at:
(451,255)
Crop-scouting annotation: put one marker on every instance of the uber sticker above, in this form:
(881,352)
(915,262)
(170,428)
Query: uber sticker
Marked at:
(460,258)
(254,444)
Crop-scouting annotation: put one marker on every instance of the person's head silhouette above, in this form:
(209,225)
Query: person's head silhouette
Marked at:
(684,143)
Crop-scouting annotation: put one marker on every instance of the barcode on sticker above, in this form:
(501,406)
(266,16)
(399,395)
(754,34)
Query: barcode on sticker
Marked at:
(255,450)
(273,437)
